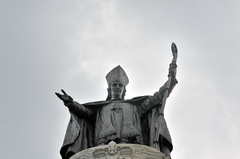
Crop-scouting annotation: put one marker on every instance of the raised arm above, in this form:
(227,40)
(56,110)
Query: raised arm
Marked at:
(167,88)
(75,107)
(159,98)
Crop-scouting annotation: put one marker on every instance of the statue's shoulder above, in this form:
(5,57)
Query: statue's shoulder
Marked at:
(95,104)
(137,99)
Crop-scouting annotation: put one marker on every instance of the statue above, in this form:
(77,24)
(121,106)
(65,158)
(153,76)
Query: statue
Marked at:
(137,121)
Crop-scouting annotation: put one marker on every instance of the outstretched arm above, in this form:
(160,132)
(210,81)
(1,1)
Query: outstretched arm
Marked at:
(73,106)
(157,98)
(172,81)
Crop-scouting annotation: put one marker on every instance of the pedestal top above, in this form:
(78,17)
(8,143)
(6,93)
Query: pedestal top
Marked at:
(120,151)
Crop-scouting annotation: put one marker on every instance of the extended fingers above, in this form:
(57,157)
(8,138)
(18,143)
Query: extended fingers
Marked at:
(59,95)
(64,92)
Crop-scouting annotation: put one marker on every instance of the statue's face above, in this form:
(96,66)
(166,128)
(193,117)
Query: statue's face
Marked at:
(117,89)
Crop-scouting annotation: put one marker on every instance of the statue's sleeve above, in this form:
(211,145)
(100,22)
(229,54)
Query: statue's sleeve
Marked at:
(156,99)
(80,110)
(158,96)
(163,138)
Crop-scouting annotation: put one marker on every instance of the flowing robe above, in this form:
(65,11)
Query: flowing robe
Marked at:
(124,121)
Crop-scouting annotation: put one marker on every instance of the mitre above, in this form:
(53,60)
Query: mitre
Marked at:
(117,75)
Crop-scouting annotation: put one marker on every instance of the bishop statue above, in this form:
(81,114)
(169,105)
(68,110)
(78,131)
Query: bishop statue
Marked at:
(139,120)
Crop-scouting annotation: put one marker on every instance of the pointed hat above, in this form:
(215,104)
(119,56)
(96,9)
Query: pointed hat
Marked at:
(117,75)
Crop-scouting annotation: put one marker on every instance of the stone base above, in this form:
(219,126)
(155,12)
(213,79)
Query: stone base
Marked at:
(120,151)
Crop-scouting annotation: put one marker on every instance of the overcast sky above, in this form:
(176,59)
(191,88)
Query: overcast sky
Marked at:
(48,45)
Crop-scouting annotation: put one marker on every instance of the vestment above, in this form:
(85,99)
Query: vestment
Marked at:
(132,120)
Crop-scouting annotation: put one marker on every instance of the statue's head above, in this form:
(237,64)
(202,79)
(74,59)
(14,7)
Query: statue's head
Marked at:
(117,81)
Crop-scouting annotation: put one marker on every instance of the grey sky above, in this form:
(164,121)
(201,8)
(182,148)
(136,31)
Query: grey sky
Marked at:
(49,45)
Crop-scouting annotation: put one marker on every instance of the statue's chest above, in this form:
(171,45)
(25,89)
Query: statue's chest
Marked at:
(118,107)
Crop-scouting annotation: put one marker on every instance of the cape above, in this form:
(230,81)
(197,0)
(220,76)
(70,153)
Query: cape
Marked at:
(80,131)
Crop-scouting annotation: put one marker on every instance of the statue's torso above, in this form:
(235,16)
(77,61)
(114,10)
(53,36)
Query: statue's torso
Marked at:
(118,121)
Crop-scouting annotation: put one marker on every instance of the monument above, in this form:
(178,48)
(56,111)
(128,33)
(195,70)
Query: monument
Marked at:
(117,128)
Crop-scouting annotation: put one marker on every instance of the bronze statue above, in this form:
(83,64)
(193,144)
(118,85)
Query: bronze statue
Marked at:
(139,120)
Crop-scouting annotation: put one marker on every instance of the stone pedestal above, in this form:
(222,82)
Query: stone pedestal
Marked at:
(120,151)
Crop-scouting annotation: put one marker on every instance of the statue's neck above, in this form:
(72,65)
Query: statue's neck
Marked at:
(115,99)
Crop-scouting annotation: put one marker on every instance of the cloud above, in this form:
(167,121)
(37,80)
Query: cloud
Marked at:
(50,45)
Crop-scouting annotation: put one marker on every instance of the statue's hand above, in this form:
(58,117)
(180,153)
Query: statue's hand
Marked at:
(64,97)
(172,70)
